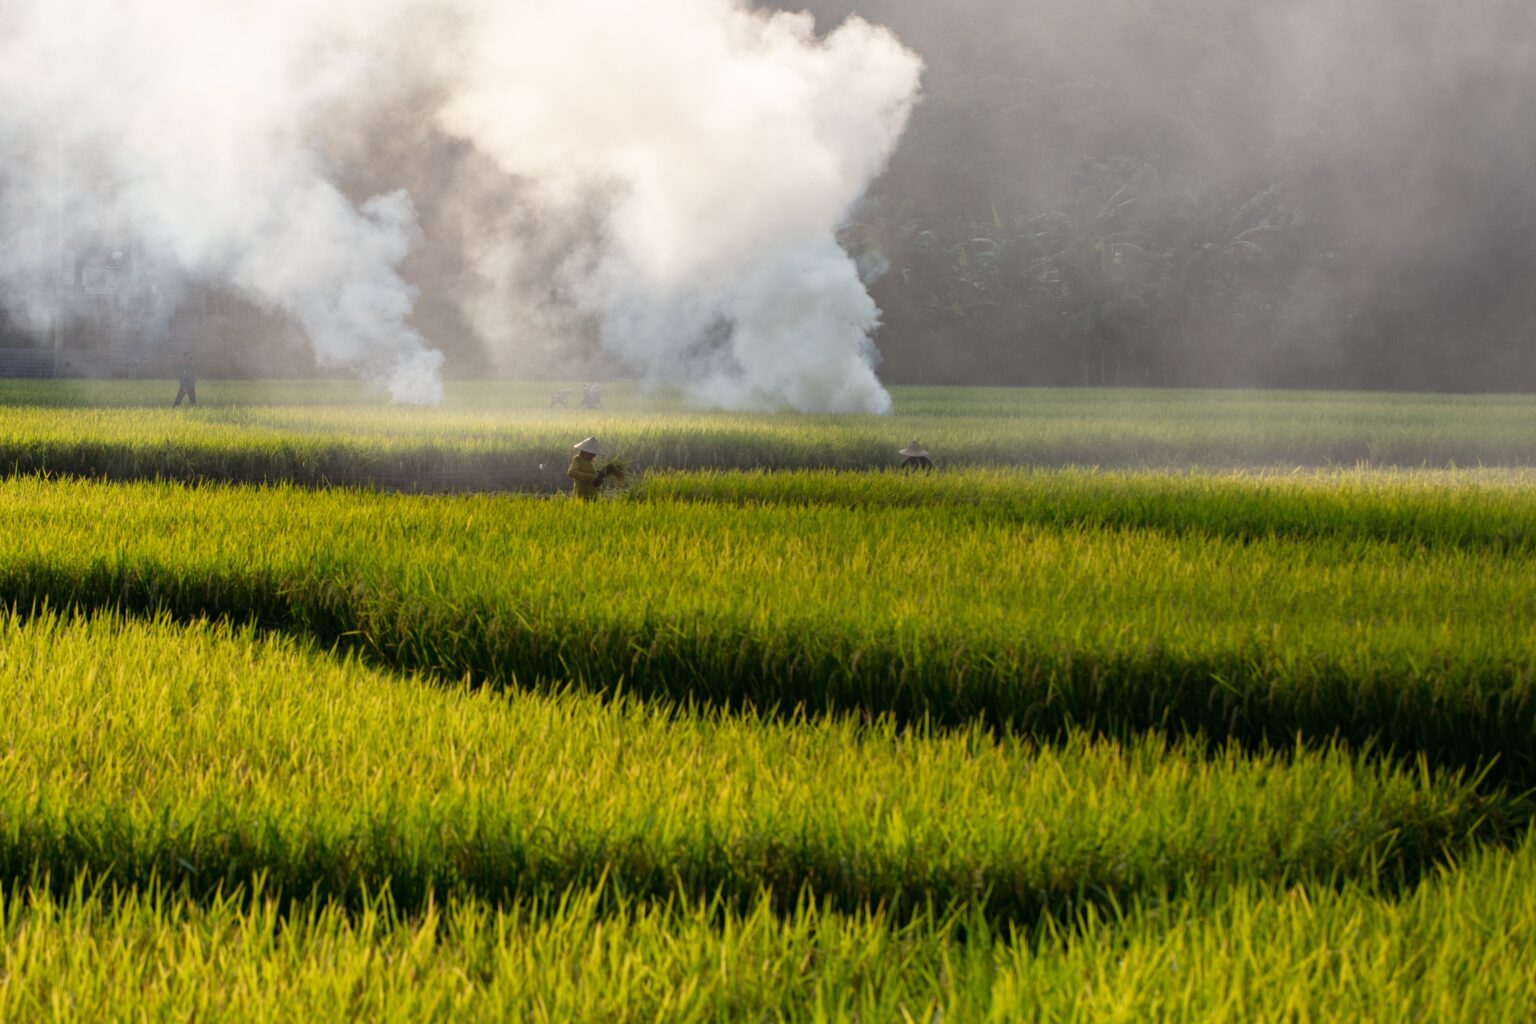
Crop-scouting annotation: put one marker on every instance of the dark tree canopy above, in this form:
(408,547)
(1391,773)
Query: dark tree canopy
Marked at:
(1209,192)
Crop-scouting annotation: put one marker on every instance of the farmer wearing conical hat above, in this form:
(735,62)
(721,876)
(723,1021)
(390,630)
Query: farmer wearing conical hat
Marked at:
(584,474)
(915,456)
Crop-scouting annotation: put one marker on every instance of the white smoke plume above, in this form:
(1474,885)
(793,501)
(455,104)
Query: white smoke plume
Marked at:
(196,129)
(719,146)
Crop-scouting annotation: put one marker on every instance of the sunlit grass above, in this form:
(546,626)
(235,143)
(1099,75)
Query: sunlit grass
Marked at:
(953,611)
(1492,509)
(999,742)
(1453,949)
(211,757)
(493,435)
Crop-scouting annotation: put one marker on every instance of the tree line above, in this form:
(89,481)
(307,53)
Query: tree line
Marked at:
(1209,192)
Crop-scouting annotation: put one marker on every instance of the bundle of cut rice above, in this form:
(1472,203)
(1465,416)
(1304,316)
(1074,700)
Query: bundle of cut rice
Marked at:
(615,469)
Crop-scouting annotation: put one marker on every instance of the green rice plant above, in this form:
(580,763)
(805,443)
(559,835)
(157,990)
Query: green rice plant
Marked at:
(947,614)
(1490,510)
(990,743)
(1453,949)
(492,436)
(211,759)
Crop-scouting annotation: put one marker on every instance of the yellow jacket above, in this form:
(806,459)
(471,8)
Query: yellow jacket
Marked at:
(583,474)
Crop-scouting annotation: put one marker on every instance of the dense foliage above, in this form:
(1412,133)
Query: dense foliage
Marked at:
(1209,192)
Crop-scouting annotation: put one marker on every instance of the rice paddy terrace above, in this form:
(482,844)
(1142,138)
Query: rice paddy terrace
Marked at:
(1145,706)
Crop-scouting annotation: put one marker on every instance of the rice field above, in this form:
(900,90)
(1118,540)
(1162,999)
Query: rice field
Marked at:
(1421,642)
(1455,948)
(775,733)
(504,436)
(129,775)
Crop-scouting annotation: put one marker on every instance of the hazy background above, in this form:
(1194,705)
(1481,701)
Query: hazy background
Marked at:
(1296,193)
(1182,192)
(594,187)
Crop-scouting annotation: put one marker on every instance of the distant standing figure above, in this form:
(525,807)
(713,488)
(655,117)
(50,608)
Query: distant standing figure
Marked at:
(915,457)
(187,375)
(586,478)
(593,399)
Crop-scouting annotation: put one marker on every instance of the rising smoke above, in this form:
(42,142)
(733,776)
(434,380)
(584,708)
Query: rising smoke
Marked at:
(671,172)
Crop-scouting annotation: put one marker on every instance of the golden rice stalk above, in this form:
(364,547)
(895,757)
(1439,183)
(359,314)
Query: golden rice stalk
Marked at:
(616,469)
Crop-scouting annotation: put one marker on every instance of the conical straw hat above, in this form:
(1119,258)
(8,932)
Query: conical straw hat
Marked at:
(913,450)
(590,446)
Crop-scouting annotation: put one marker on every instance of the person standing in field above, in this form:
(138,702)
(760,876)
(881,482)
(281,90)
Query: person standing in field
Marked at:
(593,399)
(187,375)
(586,478)
(915,456)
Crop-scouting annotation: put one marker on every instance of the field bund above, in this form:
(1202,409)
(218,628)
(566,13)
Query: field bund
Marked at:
(793,737)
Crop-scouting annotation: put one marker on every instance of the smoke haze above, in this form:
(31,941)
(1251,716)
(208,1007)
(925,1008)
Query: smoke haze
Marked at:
(1187,192)
(1304,193)
(673,173)
(195,130)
